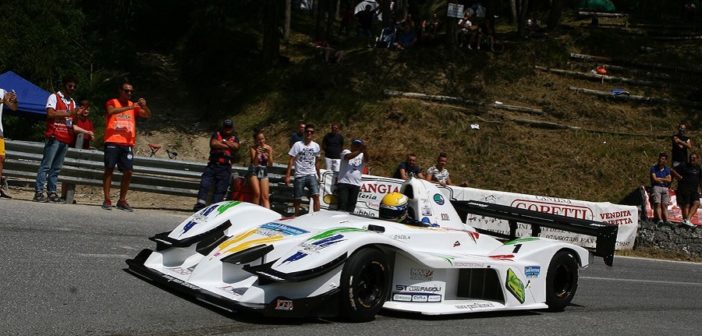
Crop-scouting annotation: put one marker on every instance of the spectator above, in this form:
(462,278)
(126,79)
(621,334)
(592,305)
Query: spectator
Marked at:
(120,137)
(660,182)
(8,99)
(409,169)
(304,155)
(60,110)
(407,37)
(689,175)
(365,22)
(346,19)
(261,155)
(83,125)
(298,135)
(467,30)
(681,145)
(438,172)
(352,163)
(223,144)
(430,28)
(387,37)
(330,54)
(332,144)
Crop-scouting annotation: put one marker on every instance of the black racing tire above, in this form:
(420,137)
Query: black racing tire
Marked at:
(365,283)
(561,280)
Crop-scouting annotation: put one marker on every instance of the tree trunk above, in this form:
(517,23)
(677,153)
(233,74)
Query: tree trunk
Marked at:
(554,16)
(318,19)
(271,34)
(513,7)
(522,7)
(286,25)
(331,11)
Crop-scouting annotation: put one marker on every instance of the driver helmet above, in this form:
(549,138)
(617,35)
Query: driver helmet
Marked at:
(394,207)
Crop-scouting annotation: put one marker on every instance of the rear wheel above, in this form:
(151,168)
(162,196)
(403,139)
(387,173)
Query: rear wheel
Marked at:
(561,280)
(365,281)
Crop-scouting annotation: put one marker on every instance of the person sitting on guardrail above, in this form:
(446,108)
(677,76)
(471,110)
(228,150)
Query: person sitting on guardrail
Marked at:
(261,155)
(408,169)
(438,172)
(60,111)
(223,144)
(8,99)
(303,155)
(120,137)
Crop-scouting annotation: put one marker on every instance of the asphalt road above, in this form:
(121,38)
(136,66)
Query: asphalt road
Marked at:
(62,273)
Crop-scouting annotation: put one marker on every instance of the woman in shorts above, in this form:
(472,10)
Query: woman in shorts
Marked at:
(261,155)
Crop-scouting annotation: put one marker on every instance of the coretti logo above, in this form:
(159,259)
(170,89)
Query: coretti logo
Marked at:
(568,210)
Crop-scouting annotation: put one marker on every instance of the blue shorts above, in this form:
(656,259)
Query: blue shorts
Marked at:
(119,155)
(309,181)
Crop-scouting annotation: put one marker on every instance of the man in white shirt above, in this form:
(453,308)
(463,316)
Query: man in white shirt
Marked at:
(438,172)
(352,163)
(8,99)
(303,155)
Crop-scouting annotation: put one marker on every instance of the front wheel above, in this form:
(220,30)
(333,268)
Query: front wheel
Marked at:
(365,281)
(561,280)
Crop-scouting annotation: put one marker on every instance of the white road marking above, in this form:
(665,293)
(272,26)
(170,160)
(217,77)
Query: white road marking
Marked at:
(662,260)
(99,255)
(660,282)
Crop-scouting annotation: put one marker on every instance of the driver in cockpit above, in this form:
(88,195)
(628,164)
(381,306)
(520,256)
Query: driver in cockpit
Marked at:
(395,207)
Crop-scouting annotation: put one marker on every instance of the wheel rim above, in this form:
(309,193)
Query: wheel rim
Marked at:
(370,285)
(563,281)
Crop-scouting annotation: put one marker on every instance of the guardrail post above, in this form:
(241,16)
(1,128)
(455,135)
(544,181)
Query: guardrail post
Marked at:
(70,188)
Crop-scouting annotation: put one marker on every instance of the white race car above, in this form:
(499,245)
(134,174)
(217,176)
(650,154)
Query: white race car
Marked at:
(239,256)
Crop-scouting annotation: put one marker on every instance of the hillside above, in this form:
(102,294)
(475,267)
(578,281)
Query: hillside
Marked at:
(603,156)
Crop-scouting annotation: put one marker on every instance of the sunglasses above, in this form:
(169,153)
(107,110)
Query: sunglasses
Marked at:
(128,91)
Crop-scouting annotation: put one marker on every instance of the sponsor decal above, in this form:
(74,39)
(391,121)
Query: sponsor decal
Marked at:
(332,232)
(444,217)
(180,270)
(508,257)
(515,286)
(475,305)
(297,256)
(439,199)
(226,206)
(426,220)
(368,196)
(426,211)
(421,274)
(556,206)
(457,244)
(286,305)
(617,217)
(380,188)
(322,243)
(180,282)
(188,226)
(532,271)
(239,291)
(401,237)
(468,264)
(521,240)
(474,235)
(241,242)
(284,229)
(418,288)
(416,297)
(209,209)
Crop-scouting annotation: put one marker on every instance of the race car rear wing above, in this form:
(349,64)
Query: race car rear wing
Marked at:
(606,234)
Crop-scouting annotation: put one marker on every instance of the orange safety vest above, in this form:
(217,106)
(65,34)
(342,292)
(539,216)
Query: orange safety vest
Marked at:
(60,128)
(120,128)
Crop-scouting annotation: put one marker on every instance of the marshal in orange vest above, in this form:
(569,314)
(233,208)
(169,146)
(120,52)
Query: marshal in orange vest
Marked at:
(120,128)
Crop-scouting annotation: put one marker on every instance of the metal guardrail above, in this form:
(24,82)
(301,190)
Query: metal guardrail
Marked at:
(163,176)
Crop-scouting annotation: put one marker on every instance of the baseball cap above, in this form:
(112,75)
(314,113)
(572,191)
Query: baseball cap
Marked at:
(228,123)
(357,142)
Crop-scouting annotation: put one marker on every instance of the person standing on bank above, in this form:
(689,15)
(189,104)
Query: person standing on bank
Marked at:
(218,172)
(120,137)
(689,175)
(8,99)
(681,145)
(261,155)
(58,136)
(303,155)
(352,163)
(660,182)
(332,144)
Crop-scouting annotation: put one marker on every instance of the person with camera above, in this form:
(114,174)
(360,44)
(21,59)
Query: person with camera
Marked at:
(8,99)
(261,155)
(349,185)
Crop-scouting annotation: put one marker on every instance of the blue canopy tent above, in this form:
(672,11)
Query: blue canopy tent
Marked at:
(32,99)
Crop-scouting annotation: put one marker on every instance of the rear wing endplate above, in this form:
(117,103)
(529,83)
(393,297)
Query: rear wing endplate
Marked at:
(606,234)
